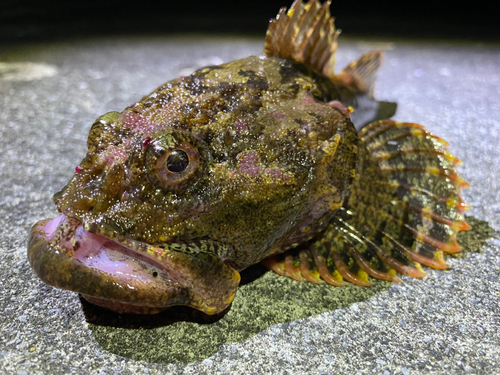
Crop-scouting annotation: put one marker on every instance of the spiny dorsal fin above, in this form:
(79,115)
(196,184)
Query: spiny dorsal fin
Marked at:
(360,75)
(305,33)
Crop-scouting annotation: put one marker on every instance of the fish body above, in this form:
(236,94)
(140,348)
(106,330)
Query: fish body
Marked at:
(254,160)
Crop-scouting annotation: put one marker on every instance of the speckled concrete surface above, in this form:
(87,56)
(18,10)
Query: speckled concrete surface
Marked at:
(447,323)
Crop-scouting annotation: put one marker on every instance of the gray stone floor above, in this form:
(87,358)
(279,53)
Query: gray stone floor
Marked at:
(50,93)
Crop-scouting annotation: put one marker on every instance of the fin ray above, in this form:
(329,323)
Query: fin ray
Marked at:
(392,222)
(360,75)
(305,33)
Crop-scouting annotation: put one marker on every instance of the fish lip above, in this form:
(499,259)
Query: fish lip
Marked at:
(58,268)
(178,280)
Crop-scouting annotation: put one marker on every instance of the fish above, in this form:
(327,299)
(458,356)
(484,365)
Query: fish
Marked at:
(274,159)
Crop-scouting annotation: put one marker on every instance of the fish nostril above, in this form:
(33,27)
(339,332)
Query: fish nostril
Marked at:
(155,274)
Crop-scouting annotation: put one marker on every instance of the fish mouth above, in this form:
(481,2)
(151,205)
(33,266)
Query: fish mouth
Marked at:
(128,276)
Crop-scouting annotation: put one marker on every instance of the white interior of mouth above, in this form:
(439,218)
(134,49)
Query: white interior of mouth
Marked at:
(100,253)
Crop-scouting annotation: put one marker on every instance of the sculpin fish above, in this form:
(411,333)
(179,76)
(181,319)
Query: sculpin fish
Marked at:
(256,160)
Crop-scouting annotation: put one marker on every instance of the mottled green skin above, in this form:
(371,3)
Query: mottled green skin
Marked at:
(263,133)
(270,162)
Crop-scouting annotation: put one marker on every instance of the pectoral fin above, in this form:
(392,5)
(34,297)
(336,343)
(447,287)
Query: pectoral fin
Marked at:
(404,211)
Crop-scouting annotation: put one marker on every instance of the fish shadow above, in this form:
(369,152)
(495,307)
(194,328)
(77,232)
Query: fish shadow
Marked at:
(183,335)
(102,317)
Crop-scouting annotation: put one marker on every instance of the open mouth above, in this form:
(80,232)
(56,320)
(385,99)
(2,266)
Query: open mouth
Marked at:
(128,276)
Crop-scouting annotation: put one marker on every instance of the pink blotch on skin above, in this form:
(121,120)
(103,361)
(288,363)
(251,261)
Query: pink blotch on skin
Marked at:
(78,169)
(339,105)
(279,115)
(322,108)
(148,120)
(139,123)
(240,126)
(115,155)
(247,163)
(274,172)
(308,99)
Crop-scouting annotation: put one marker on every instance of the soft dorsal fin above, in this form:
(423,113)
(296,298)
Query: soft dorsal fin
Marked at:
(305,33)
(360,75)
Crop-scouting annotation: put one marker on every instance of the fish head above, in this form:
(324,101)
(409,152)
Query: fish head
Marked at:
(207,175)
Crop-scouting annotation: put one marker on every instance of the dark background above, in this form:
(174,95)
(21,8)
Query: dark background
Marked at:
(51,19)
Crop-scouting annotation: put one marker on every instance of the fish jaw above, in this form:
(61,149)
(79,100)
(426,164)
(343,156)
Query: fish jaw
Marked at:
(127,279)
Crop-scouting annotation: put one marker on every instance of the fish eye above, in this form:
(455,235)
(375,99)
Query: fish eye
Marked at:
(177,161)
(172,162)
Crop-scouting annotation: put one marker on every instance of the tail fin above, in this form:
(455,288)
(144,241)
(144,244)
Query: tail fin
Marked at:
(405,210)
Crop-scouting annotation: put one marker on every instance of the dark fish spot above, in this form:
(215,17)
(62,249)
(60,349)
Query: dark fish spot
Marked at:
(315,115)
(247,73)
(288,73)
(290,92)
(255,81)
(195,83)
(258,84)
